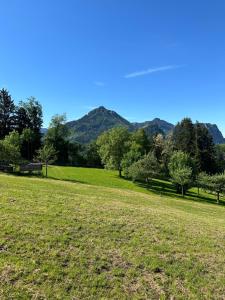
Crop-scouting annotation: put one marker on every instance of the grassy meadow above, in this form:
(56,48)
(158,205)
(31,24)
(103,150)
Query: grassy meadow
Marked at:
(72,240)
(110,178)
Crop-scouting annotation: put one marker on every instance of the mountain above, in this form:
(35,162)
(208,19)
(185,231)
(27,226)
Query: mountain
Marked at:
(155,125)
(215,132)
(90,126)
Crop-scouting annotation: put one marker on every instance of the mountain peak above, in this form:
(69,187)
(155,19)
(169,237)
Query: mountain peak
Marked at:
(101,108)
(98,120)
(101,119)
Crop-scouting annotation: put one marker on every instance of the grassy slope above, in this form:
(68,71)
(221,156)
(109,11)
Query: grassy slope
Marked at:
(63,240)
(107,178)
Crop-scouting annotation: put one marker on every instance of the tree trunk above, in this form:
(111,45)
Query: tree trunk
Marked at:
(182,189)
(218,197)
(46,169)
(120,173)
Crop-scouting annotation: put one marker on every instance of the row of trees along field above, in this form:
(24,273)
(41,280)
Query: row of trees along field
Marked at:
(21,139)
(187,156)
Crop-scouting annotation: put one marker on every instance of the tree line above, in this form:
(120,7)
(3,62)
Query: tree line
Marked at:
(21,138)
(187,156)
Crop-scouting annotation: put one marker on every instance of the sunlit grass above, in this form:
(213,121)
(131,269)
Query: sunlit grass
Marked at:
(65,240)
(109,178)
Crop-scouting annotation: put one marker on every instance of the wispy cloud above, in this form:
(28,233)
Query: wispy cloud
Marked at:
(152,70)
(99,83)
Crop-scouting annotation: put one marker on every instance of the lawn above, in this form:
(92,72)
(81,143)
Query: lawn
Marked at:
(66,240)
(108,178)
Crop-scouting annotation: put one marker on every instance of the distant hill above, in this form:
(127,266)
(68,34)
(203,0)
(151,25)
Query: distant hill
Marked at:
(155,126)
(90,126)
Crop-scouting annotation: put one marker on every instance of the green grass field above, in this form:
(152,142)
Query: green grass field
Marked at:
(66,240)
(108,178)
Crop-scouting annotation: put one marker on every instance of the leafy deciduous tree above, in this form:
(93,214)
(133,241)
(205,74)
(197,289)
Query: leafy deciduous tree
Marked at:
(47,155)
(180,170)
(57,136)
(146,168)
(113,145)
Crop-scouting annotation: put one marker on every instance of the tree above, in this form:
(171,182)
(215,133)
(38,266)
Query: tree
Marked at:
(76,154)
(7,109)
(220,157)
(10,149)
(113,145)
(92,156)
(30,116)
(180,170)
(140,138)
(22,119)
(167,152)
(217,184)
(184,137)
(182,176)
(145,168)
(57,136)
(131,156)
(202,180)
(158,146)
(205,150)
(28,138)
(47,155)
(13,138)
(214,183)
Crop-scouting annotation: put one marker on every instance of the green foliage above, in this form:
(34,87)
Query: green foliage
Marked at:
(31,117)
(47,155)
(113,145)
(10,149)
(146,168)
(220,157)
(158,146)
(166,153)
(34,113)
(141,139)
(7,110)
(22,118)
(133,155)
(180,170)
(57,136)
(28,138)
(92,158)
(14,139)
(205,150)
(214,183)
(184,137)
(196,140)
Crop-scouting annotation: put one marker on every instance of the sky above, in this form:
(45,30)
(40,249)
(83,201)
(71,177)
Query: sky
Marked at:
(141,58)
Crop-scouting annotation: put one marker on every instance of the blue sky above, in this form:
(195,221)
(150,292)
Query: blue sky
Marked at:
(141,58)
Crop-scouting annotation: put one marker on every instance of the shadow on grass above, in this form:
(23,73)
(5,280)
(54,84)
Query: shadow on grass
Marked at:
(163,188)
(25,174)
(156,186)
(67,179)
(41,176)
